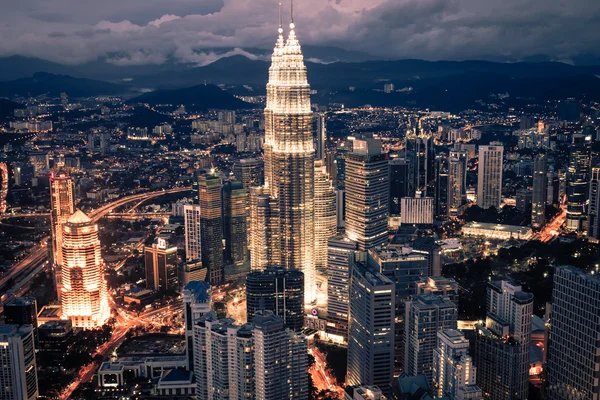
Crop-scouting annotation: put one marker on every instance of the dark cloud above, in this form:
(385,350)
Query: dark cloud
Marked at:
(129,32)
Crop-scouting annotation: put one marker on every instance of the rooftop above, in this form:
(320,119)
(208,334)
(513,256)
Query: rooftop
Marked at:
(21,301)
(200,290)
(79,217)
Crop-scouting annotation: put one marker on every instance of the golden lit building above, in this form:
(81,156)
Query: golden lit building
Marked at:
(84,296)
(289,165)
(62,206)
(3,186)
(325,214)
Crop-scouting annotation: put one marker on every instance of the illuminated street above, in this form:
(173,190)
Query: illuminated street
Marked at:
(322,378)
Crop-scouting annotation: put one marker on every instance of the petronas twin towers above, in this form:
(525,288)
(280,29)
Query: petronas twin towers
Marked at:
(282,212)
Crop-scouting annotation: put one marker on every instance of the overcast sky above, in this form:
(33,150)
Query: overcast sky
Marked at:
(135,32)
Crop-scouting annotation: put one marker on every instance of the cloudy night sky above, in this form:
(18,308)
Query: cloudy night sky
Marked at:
(139,32)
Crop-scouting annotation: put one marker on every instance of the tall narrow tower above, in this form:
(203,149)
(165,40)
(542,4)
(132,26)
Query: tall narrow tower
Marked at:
(62,206)
(84,296)
(289,161)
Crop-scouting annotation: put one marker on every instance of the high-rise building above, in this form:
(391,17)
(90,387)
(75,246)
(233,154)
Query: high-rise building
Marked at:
(211,227)
(502,343)
(399,183)
(539,194)
(593,223)
(263,232)
(578,176)
(404,267)
(321,137)
(280,360)
(18,375)
(442,182)
(417,210)
(457,181)
(367,194)
(249,171)
(161,266)
(339,251)
(426,315)
(55,342)
(191,215)
(84,296)
(523,200)
(289,168)
(325,214)
(363,393)
(439,286)
(62,206)
(197,301)
(420,152)
(489,175)
(278,290)
(3,186)
(22,311)
(371,326)
(573,363)
(453,369)
(235,204)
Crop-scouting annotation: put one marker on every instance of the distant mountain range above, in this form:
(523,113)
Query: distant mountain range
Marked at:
(443,85)
(43,83)
(197,98)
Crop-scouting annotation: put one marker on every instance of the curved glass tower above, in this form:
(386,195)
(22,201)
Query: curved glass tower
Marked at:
(289,164)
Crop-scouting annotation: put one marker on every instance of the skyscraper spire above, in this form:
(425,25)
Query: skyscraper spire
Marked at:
(291,13)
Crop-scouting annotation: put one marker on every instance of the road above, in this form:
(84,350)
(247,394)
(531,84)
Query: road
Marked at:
(552,228)
(322,379)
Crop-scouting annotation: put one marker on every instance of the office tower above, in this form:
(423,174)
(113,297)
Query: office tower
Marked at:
(439,286)
(235,204)
(404,267)
(431,248)
(197,301)
(3,186)
(280,358)
(22,311)
(62,206)
(457,181)
(340,207)
(84,298)
(249,171)
(539,194)
(192,232)
(502,343)
(367,194)
(18,377)
(523,200)
(425,316)
(321,137)
(336,166)
(339,251)
(211,227)
(24,174)
(417,210)
(573,362)
(453,368)
(399,183)
(191,271)
(363,393)
(220,371)
(55,340)
(371,325)
(578,176)
(289,167)
(489,175)
(161,266)
(278,290)
(442,182)
(264,230)
(421,154)
(593,224)
(325,214)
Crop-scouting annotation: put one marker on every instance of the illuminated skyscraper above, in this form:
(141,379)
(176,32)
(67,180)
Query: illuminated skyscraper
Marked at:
(161,266)
(235,209)
(191,215)
(539,193)
(18,375)
(577,182)
(321,137)
(249,171)
(489,175)
(3,186)
(421,153)
(325,214)
(367,194)
(84,296)
(593,228)
(289,167)
(62,206)
(457,181)
(211,227)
